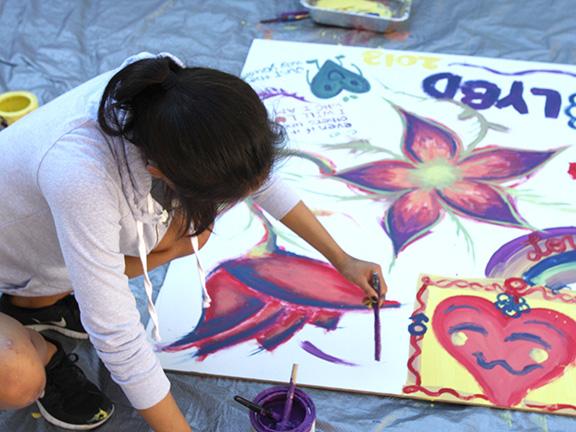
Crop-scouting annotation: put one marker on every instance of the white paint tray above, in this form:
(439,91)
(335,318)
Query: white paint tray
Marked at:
(360,21)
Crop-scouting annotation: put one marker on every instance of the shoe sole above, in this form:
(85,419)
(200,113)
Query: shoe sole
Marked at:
(69,426)
(65,331)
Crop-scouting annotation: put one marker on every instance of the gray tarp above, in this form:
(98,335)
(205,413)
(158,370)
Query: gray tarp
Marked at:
(48,47)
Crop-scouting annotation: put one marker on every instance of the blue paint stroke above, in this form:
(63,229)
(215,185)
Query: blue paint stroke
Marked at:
(504,364)
(327,323)
(570,109)
(274,341)
(250,277)
(546,324)
(452,308)
(418,326)
(219,325)
(238,337)
(468,326)
(564,258)
(520,73)
(511,306)
(527,337)
(310,348)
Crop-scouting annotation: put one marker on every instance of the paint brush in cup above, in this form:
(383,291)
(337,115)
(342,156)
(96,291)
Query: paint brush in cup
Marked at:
(376,308)
(258,408)
(285,422)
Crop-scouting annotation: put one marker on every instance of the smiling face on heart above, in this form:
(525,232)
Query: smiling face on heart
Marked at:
(508,357)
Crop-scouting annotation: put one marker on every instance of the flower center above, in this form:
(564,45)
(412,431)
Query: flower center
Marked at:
(436,174)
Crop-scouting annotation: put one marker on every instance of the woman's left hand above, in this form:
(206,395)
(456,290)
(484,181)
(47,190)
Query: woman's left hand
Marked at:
(360,273)
(302,221)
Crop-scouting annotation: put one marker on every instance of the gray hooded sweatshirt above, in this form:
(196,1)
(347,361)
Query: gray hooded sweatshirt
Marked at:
(69,213)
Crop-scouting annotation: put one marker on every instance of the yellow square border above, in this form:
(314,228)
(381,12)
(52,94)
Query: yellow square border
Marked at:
(415,388)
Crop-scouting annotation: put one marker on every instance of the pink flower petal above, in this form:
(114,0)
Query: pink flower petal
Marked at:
(482,202)
(502,164)
(383,175)
(411,217)
(426,140)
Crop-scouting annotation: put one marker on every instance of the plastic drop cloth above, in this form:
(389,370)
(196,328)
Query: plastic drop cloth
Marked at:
(48,47)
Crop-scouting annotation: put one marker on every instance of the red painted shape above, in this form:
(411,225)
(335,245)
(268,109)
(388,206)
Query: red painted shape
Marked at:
(302,280)
(516,287)
(232,298)
(572,170)
(268,299)
(284,329)
(550,246)
(327,319)
(502,387)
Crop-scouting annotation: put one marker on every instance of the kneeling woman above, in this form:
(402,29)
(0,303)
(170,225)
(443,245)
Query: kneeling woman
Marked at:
(104,182)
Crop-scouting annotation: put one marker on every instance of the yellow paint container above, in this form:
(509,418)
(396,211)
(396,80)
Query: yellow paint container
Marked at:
(15,105)
(374,15)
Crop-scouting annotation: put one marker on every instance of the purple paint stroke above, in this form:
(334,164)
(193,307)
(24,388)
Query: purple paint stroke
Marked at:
(376,308)
(310,348)
(520,73)
(508,250)
(271,92)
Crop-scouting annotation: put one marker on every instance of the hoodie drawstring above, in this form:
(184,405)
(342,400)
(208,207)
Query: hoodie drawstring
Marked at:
(206,300)
(148,284)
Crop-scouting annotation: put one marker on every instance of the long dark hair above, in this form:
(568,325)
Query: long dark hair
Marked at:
(206,131)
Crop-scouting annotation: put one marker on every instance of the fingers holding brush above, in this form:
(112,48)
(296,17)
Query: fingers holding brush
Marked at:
(361,273)
(378,286)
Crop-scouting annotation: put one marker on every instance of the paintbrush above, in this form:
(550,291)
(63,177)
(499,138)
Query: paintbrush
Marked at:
(376,308)
(287,17)
(285,423)
(259,409)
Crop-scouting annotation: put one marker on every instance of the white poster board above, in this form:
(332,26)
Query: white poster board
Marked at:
(490,174)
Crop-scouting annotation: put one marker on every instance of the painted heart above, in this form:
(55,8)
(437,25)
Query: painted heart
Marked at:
(332,78)
(508,357)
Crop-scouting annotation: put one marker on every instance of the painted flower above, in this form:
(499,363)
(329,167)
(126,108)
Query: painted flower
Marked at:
(268,296)
(436,177)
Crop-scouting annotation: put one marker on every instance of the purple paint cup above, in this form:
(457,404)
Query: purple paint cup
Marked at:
(302,418)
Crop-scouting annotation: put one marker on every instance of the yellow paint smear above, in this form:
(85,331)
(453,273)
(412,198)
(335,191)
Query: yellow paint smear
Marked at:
(356,6)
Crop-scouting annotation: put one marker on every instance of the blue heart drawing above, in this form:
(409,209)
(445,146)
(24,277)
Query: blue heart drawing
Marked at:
(332,78)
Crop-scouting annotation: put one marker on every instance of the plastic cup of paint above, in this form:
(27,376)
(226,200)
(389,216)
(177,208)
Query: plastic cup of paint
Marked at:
(303,416)
(15,105)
